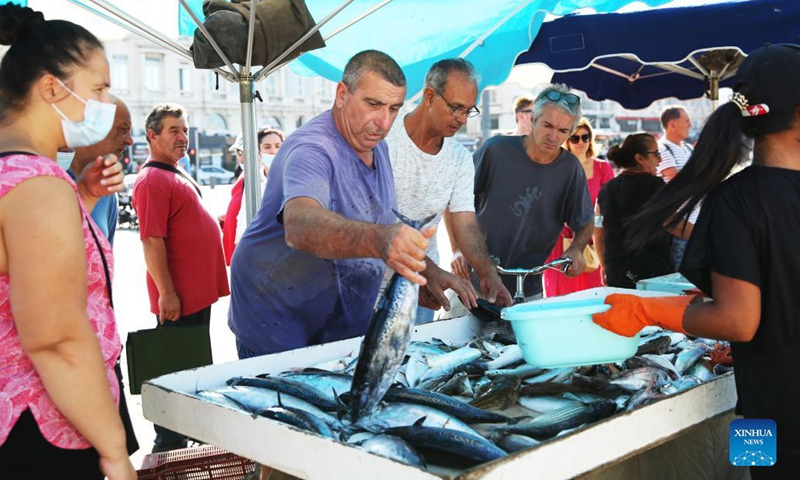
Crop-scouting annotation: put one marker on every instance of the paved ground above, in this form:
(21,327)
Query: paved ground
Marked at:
(133,308)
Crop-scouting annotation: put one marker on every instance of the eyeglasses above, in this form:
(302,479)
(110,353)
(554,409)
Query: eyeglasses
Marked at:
(580,138)
(459,111)
(655,152)
(570,98)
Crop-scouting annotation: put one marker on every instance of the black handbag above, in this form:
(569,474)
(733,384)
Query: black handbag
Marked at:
(155,352)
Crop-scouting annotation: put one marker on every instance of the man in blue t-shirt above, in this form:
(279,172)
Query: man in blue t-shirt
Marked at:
(106,210)
(307,269)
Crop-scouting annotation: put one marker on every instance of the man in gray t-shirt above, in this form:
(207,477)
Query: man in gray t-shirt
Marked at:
(527,188)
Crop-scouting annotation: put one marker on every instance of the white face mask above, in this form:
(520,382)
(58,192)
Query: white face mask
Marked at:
(267,159)
(98,118)
(64,159)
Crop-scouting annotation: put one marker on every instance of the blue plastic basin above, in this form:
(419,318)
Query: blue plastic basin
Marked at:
(562,334)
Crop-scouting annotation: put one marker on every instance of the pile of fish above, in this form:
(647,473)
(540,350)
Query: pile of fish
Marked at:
(462,405)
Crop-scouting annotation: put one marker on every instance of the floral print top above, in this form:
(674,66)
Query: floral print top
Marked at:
(20,385)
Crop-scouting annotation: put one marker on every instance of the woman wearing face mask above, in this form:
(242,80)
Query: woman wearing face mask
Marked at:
(58,337)
(269,142)
(618,201)
(598,173)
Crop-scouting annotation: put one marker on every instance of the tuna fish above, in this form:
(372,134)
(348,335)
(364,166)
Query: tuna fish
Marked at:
(384,347)
(395,448)
(568,417)
(468,446)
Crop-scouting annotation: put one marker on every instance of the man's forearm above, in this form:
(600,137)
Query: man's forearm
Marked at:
(448,225)
(326,234)
(582,237)
(155,257)
(469,237)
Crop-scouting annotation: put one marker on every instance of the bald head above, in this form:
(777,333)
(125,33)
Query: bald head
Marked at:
(117,140)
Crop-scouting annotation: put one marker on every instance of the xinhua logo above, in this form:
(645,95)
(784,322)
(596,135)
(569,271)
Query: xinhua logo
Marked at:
(753,443)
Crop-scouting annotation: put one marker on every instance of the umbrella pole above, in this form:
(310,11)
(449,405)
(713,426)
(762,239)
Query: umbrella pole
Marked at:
(252,177)
(713,90)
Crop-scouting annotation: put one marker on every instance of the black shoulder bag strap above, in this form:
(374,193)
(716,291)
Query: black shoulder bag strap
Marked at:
(170,168)
(103,259)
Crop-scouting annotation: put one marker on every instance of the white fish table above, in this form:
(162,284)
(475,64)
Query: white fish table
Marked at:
(626,442)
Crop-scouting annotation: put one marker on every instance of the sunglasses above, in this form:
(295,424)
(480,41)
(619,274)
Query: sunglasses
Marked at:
(570,98)
(580,138)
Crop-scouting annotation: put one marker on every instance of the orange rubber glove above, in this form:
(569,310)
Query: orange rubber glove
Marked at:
(629,314)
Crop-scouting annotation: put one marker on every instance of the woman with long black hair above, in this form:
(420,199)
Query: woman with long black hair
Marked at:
(743,251)
(59,392)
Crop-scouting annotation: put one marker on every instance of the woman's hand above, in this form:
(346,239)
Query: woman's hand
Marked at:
(119,468)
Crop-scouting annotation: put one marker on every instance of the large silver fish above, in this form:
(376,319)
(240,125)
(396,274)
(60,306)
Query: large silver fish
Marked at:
(385,343)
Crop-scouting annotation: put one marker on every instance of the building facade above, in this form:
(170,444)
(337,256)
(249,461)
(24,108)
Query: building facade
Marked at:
(144,74)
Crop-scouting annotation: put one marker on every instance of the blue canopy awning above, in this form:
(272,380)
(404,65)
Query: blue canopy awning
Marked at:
(418,33)
(638,57)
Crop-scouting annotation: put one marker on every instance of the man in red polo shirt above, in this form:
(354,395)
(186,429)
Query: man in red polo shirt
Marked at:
(182,241)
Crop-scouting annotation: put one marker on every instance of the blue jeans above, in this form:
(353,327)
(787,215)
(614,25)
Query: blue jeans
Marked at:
(677,250)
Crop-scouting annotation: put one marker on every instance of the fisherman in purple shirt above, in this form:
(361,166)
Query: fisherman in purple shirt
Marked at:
(308,267)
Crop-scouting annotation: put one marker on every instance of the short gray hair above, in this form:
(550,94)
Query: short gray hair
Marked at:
(155,119)
(372,61)
(542,101)
(436,78)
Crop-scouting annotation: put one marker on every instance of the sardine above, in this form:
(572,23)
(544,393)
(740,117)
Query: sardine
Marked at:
(325,382)
(468,446)
(395,448)
(546,403)
(508,355)
(656,345)
(689,357)
(457,408)
(654,361)
(683,383)
(526,370)
(300,419)
(572,416)
(384,346)
(515,443)
(390,415)
(703,369)
(258,399)
(555,375)
(500,394)
(291,387)
(459,384)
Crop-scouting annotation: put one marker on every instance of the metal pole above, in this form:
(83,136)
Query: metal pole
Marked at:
(252,177)
(138,28)
(486,117)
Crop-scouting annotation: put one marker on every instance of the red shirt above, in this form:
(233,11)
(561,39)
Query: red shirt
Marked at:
(231,221)
(169,207)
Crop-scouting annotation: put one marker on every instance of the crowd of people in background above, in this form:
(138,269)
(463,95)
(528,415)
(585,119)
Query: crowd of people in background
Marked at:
(309,267)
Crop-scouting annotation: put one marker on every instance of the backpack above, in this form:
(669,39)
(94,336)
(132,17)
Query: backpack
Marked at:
(278,25)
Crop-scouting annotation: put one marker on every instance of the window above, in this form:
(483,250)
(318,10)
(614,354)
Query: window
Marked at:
(271,84)
(294,85)
(216,123)
(152,72)
(119,72)
(300,121)
(185,78)
(325,88)
(494,121)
